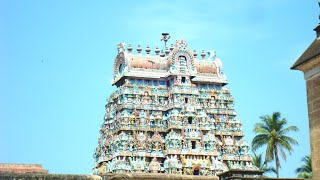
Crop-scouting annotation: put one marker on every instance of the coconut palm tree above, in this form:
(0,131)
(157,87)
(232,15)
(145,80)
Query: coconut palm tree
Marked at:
(271,131)
(305,170)
(258,161)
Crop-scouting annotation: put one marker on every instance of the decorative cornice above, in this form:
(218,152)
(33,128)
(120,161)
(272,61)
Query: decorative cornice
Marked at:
(312,72)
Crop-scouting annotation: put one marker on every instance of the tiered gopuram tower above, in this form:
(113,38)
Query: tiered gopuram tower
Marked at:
(170,113)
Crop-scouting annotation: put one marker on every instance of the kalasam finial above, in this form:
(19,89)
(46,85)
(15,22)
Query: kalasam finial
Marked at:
(165,38)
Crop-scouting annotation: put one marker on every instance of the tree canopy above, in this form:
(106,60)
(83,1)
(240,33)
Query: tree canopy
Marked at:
(272,132)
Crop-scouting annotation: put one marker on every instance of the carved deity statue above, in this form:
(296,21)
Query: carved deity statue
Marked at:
(146,98)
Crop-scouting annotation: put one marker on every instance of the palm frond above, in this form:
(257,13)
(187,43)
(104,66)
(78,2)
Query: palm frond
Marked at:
(305,175)
(259,141)
(306,167)
(276,116)
(289,140)
(261,131)
(257,160)
(270,169)
(282,153)
(260,127)
(285,142)
(288,129)
(270,151)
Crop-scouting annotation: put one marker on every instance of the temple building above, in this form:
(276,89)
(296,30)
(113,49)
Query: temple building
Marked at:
(309,64)
(170,113)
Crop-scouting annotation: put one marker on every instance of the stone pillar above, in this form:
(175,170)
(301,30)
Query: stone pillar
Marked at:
(313,97)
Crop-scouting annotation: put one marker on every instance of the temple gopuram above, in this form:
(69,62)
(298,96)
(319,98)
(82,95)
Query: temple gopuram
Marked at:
(170,113)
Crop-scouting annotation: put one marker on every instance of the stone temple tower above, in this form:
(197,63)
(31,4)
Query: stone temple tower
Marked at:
(171,113)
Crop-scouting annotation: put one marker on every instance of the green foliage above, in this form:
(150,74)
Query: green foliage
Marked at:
(272,132)
(258,161)
(305,170)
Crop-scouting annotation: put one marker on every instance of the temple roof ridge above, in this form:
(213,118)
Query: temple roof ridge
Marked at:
(208,55)
(151,62)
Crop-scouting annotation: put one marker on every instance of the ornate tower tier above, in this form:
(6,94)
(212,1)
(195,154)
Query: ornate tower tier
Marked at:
(170,113)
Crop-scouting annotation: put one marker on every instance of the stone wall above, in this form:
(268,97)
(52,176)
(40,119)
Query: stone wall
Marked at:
(37,176)
(122,176)
(22,168)
(154,176)
(313,97)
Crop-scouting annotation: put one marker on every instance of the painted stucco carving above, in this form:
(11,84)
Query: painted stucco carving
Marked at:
(170,114)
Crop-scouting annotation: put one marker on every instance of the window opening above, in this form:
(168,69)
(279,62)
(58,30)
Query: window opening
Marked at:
(193,144)
(183,80)
(190,120)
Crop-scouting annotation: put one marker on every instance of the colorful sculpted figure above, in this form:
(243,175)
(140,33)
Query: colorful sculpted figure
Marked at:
(146,98)
(137,100)
(154,165)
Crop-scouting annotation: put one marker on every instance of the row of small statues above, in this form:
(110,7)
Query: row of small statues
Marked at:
(152,113)
(157,101)
(173,140)
(139,95)
(184,134)
(183,146)
(217,128)
(172,164)
(163,124)
(218,107)
(177,99)
(176,114)
(162,90)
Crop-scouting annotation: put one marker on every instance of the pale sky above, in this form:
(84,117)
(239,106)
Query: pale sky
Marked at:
(56,61)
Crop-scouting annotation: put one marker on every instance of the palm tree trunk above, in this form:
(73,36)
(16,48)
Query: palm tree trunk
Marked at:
(277,161)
